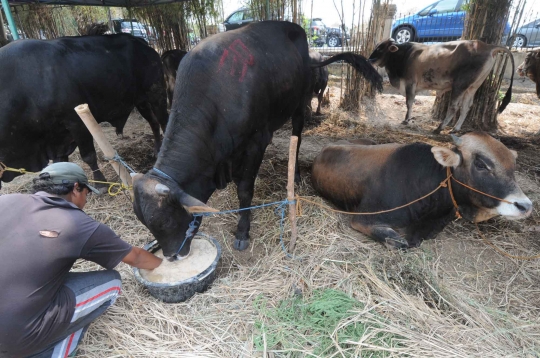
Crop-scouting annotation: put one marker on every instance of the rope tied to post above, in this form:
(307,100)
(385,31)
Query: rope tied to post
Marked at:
(117,158)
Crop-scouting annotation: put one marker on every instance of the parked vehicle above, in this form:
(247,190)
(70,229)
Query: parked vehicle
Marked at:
(317,32)
(443,20)
(527,35)
(238,18)
(130,27)
(334,37)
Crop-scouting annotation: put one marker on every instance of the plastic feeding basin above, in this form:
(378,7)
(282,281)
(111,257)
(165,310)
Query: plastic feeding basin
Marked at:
(180,291)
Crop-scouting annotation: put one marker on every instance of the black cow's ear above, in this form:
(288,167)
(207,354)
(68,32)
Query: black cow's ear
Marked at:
(446,157)
(393,48)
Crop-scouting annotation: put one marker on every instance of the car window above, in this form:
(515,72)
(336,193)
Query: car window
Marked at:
(446,6)
(236,17)
(247,15)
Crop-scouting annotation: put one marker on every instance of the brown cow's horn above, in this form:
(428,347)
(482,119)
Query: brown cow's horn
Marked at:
(456,139)
(162,190)
(193,205)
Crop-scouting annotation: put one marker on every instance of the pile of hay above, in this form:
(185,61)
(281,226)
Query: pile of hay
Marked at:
(342,295)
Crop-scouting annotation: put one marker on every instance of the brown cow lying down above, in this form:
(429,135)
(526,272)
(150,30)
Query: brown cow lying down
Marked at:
(531,68)
(460,66)
(371,178)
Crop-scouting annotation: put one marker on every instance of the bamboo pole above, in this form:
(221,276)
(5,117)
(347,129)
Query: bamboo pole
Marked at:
(84,112)
(290,191)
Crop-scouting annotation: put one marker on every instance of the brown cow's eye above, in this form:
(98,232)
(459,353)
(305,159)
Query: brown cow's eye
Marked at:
(480,165)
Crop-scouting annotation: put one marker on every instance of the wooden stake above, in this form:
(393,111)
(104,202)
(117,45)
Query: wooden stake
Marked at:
(290,191)
(84,112)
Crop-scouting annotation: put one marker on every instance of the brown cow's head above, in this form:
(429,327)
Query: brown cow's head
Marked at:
(379,56)
(485,164)
(167,211)
(530,66)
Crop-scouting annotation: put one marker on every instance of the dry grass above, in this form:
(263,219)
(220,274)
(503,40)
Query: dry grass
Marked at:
(452,297)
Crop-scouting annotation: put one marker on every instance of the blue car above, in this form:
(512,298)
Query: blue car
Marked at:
(443,20)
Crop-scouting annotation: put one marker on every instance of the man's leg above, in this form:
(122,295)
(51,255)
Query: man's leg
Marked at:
(94,292)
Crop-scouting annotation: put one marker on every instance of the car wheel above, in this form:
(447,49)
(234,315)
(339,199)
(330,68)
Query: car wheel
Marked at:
(519,41)
(333,41)
(403,35)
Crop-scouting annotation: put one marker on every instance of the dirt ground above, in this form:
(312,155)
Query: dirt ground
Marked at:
(453,296)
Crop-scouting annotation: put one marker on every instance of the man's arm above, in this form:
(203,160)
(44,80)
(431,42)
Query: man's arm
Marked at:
(142,259)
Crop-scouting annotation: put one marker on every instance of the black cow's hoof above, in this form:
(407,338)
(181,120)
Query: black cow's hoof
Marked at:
(240,245)
(437,131)
(297,178)
(405,123)
(396,243)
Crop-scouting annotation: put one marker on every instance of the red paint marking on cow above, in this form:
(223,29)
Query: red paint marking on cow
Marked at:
(240,56)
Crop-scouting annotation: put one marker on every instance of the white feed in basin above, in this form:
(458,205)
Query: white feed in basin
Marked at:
(202,255)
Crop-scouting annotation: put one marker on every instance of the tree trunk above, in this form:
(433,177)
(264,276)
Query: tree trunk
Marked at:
(486,20)
(364,42)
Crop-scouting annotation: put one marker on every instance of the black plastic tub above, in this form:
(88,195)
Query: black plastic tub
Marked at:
(180,291)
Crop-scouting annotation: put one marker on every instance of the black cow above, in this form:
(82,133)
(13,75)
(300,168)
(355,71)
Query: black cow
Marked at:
(460,66)
(43,81)
(372,178)
(244,85)
(171,60)
(320,78)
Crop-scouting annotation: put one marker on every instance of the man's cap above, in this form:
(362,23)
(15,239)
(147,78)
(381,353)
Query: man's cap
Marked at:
(68,173)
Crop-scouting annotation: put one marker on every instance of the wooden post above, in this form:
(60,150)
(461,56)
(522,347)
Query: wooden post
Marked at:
(84,112)
(290,191)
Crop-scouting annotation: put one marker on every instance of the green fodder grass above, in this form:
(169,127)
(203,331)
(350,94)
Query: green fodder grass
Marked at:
(322,324)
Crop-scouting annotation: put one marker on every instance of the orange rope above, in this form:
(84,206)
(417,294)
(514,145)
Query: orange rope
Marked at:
(480,192)
(443,184)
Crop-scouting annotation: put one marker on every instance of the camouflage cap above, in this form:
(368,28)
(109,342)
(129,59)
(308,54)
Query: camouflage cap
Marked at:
(68,173)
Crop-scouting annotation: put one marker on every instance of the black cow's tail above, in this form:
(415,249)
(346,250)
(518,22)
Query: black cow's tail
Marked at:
(508,95)
(360,63)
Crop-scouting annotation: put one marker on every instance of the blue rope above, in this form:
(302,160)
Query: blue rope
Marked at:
(118,158)
(282,207)
(161,173)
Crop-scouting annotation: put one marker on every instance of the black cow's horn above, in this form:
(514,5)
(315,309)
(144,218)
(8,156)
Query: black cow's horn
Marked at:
(456,139)
(162,190)
(193,205)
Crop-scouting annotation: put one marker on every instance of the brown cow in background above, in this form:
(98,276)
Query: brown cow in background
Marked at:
(372,178)
(531,68)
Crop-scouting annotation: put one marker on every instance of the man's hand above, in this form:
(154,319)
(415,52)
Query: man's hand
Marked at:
(142,259)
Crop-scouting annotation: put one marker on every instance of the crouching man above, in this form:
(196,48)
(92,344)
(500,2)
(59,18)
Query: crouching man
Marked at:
(45,309)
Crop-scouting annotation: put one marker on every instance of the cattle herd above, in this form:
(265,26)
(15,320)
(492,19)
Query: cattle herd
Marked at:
(227,97)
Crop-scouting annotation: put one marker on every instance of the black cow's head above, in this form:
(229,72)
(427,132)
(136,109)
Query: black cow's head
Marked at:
(485,164)
(379,56)
(167,211)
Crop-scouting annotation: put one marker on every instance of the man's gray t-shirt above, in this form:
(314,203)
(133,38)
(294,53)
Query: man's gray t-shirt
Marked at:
(41,237)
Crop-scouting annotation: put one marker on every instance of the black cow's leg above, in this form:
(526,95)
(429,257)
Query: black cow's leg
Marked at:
(245,182)
(428,229)
(85,142)
(410,94)
(298,118)
(382,234)
(320,98)
(148,114)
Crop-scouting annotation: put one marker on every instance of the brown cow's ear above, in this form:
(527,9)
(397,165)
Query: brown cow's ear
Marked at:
(393,48)
(446,157)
